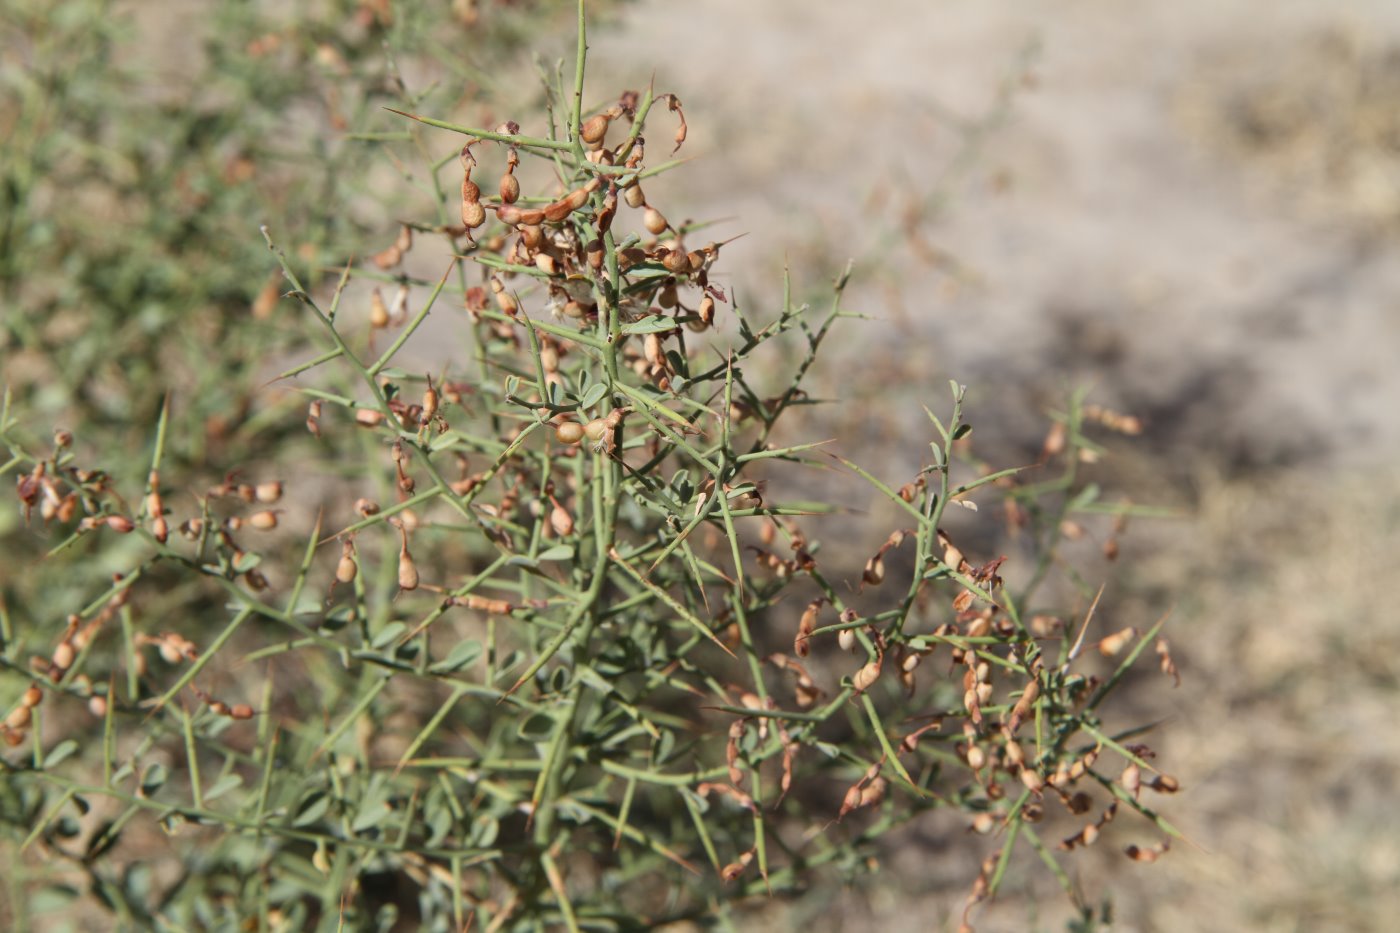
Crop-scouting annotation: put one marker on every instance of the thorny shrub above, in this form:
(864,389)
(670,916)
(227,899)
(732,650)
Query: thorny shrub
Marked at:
(533,642)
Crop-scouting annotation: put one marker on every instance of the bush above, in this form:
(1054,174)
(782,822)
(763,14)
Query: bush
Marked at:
(544,639)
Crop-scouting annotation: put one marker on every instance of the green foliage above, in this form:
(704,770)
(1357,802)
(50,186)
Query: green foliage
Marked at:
(542,640)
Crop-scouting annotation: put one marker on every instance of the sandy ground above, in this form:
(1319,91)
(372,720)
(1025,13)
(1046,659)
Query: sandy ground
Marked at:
(1193,206)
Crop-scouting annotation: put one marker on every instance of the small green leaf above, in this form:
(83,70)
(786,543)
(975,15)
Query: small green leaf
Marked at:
(652,324)
(223,785)
(388,634)
(537,728)
(312,809)
(463,654)
(592,395)
(60,753)
(154,778)
(558,552)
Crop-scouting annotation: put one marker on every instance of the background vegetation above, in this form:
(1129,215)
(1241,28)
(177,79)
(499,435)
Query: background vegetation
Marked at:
(132,268)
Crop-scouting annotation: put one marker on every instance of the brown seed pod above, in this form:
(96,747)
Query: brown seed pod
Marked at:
(378,310)
(64,655)
(569,432)
(654,221)
(594,129)
(560,520)
(596,429)
(532,236)
(633,196)
(33,696)
(593,252)
(346,569)
(473,214)
(510,188)
(866,676)
(408,570)
(263,521)
(241,711)
(676,262)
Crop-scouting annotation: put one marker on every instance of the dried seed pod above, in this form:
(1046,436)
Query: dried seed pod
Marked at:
(596,429)
(560,520)
(263,521)
(366,507)
(1131,778)
(510,188)
(874,573)
(801,645)
(431,401)
(33,696)
(378,310)
(268,492)
(676,261)
(408,570)
(569,432)
(654,220)
(346,569)
(594,129)
(473,214)
(241,711)
(866,676)
(64,656)
(532,236)
(97,706)
(19,718)
(120,524)
(546,264)
(633,196)
(1116,642)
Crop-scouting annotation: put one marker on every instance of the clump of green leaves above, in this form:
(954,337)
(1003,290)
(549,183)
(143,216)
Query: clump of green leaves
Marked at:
(533,642)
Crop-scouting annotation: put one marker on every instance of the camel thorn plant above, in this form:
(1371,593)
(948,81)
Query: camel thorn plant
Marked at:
(535,643)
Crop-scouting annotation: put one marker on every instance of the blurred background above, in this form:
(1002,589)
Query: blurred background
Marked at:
(1192,208)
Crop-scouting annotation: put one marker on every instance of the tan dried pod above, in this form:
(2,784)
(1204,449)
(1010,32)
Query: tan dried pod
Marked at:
(378,310)
(33,696)
(265,520)
(866,676)
(596,429)
(707,310)
(569,432)
(593,253)
(668,297)
(473,214)
(654,221)
(97,706)
(346,570)
(408,570)
(1131,778)
(19,718)
(532,236)
(268,492)
(594,129)
(675,261)
(368,417)
(241,711)
(1116,642)
(546,264)
(560,520)
(64,655)
(1032,780)
(510,188)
